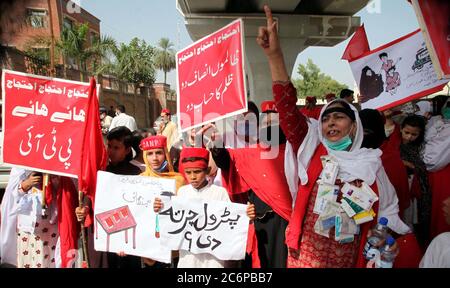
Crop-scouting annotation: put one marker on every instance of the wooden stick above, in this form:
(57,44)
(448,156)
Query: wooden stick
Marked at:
(83,233)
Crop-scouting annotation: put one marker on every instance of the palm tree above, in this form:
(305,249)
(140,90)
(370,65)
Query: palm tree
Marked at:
(73,44)
(165,57)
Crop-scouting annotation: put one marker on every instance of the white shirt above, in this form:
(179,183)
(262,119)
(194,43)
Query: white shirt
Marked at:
(204,260)
(123,120)
(438,253)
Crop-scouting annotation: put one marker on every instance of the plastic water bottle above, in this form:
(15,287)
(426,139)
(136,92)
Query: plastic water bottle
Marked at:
(387,255)
(378,234)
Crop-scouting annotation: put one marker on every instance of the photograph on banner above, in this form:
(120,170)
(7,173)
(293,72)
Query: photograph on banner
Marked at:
(433,17)
(123,215)
(395,73)
(211,78)
(204,226)
(43,122)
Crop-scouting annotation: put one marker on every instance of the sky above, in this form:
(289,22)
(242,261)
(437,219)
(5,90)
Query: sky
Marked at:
(384,21)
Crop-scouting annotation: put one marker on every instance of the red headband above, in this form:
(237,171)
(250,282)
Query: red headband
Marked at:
(194,152)
(268,106)
(153,142)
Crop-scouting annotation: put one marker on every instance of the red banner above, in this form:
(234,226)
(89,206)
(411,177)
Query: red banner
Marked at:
(211,78)
(43,122)
(433,16)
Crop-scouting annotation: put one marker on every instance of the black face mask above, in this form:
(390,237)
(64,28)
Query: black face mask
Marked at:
(267,134)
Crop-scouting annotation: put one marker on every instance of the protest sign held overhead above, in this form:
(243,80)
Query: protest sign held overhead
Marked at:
(43,122)
(395,73)
(211,78)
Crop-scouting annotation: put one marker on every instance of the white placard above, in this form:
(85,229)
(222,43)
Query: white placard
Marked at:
(124,217)
(205,226)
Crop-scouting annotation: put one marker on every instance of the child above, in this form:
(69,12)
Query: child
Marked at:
(411,152)
(119,141)
(158,164)
(195,165)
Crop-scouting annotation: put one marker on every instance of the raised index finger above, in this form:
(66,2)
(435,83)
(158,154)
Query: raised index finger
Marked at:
(268,16)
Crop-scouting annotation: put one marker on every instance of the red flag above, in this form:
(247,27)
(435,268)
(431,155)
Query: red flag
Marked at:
(68,226)
(357,46)
(93,154)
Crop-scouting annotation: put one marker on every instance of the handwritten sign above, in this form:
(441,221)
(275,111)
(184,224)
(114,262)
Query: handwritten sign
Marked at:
(396,73)
(205,226)
(124,217)
(43,120)
(211,78)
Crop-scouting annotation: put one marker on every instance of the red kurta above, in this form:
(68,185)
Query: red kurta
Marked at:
(395,169)
(440,190)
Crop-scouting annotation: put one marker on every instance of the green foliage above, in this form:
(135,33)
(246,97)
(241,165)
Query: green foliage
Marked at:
(165,56)
(134,62)
(315,83)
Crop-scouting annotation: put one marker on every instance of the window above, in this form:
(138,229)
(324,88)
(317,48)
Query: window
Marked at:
(37,18)
(93,37)
(67,23)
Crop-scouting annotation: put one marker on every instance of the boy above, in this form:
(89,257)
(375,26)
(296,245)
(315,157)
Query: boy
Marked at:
(195,165)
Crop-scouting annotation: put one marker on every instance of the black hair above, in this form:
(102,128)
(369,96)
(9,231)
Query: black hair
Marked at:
(383,54)
(392,68)
(373,125)
(102,109)
(124,135)
(136,140)
(418,122)
(438,103)
(346,93)
(121,108)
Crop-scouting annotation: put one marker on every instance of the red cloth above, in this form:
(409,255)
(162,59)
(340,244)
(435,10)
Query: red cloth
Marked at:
(395,169)
(153,142)
(294,232)
(268,106)
(266,178)
(357,46)
(68,226)
(311,113)
(165,111)
(252,246)
(439,184)
(193,152)
(410,253)
(93,152)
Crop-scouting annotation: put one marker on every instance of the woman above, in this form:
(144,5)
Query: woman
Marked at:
(336,139)
(437,160)
(371,84)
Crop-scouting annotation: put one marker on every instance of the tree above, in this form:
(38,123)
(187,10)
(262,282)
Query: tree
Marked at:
(74,44)
(314,83)
(165,56)
(134,62)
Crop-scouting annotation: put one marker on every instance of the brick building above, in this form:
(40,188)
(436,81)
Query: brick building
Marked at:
(29,20)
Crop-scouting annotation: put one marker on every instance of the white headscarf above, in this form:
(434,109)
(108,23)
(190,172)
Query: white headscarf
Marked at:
(357,163)
(9,207)
(424,107)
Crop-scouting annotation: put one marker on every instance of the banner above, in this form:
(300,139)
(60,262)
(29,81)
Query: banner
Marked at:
(43,122)
(395,73)
(433,16)
(211,78)
(124,218)
(205,226)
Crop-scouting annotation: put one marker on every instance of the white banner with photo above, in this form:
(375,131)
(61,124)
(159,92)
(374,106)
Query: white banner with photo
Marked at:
(204,226)
(124,219)
(396,73)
